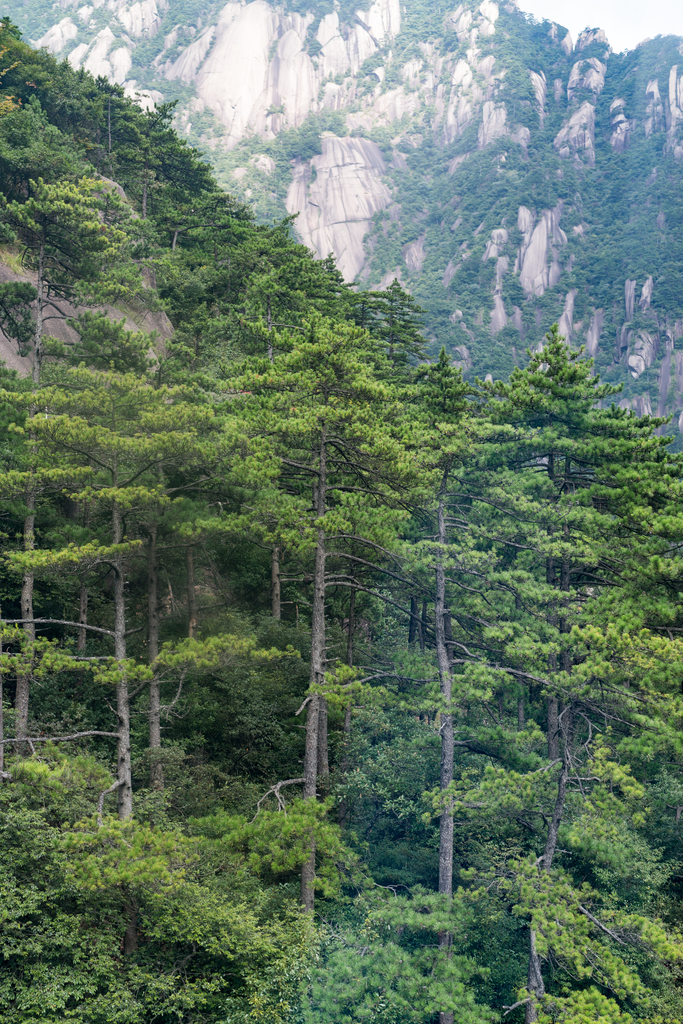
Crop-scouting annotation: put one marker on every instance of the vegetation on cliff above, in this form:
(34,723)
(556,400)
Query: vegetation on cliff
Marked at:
(336,688)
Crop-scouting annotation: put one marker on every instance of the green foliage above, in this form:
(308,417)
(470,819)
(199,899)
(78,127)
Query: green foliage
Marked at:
(176,489)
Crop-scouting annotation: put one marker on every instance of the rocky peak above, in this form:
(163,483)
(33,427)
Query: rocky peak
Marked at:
(469,154)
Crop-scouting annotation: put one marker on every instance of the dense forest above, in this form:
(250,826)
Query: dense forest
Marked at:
(336,688)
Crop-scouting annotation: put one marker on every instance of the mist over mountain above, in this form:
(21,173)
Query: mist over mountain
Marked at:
(508,175)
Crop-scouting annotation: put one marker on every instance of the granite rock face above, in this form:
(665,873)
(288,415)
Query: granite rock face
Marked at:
(468,153)
(336,203)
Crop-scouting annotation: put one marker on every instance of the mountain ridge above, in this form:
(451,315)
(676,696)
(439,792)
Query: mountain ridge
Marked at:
(509,177)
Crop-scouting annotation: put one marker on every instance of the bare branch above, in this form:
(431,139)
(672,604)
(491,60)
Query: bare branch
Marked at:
(601,926)
(167,707)
(58,739)
(100,802)
(303,705)
(276,790)
(60,622)
(522,1002)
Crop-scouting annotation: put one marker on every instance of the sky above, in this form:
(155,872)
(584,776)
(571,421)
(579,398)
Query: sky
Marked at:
(626,22)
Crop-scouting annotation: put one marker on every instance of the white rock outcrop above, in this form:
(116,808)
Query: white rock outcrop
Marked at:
(232,80)
(58,36)
(566,323)
(96,61)
(382,20)
(465,95)
(540,87)
(186,65)
(629,298)
(494,246)
(674,111)
(654,111)
(489,16)
(538,262)
(337,201)
(121,63)
(494,116)
(256,75)
(578,136)
(644,352)
(646,294)
(595,35)
(146,98)
(499,318)
(415,255)
(621,126)
(586,75)
(594,332)
(140,19)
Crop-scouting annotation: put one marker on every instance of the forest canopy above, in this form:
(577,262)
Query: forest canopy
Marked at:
(335,688)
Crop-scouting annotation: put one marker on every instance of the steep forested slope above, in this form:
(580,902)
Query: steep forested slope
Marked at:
(335,688)
(509,176)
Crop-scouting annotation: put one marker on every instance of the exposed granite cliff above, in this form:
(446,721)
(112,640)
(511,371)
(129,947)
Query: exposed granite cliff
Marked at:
(508,175)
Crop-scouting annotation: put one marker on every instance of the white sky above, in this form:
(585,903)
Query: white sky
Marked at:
(626,22)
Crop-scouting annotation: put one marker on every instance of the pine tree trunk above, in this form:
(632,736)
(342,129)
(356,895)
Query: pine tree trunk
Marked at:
(323,749)
(191,592)
(343,806)
(275,603)
(82,616)
(535,985)
(414,622)
(271,356)
(109,134)
(156,775)
(447,744)
(21,700)
(317,677)
(124,775)
(130,938)
(351,629)
(553,729)
(2,710)
(423,626)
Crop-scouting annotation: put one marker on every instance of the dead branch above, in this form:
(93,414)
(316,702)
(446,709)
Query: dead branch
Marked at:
(276,790)
(100,802)
(601,926)
(58,739)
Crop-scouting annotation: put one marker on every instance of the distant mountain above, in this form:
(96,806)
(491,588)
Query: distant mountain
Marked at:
(508,176)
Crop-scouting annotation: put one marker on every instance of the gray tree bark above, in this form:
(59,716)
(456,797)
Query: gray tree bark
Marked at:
(443,657)
(156,773)
(535,984)
(21,699)
(275,601)
(192,616)
(414,625)
(124,774)
(317,677)
(82,616)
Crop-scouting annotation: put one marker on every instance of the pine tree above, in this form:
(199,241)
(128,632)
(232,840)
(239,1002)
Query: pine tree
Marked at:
(68,238)
(332,432)
(555,503)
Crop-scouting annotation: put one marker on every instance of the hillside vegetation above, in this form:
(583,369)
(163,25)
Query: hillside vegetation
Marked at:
(509,176)
(336,688)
